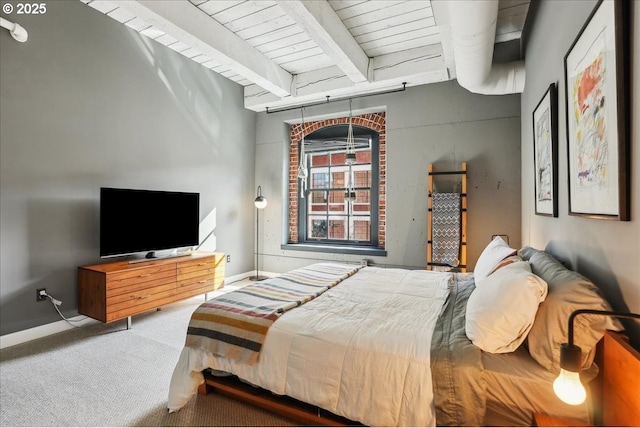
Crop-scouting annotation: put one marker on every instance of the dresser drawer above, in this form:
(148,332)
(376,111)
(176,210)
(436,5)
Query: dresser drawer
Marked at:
(145,277)
(188,289)
(201,264)
(133,302)
(132,297)
(210,280)
(200,276)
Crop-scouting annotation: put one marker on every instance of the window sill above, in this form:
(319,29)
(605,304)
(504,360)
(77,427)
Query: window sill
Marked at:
(336,249)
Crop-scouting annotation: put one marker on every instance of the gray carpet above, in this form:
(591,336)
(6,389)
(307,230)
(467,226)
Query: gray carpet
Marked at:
(105,375)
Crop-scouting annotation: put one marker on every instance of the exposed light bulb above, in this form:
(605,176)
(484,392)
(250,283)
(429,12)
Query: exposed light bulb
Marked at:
(568,387)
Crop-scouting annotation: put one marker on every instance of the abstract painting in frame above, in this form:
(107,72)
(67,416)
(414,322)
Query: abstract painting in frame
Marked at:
(597,106)
(545,152)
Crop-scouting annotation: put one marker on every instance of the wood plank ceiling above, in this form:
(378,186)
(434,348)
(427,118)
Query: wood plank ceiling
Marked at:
(291,52)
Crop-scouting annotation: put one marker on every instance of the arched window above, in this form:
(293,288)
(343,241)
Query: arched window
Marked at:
(326,213)
(321,215)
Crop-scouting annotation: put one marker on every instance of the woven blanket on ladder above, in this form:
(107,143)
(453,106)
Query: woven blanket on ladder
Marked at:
(235,324)
(445,212)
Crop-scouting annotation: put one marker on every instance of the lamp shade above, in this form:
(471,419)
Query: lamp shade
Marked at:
(260,202)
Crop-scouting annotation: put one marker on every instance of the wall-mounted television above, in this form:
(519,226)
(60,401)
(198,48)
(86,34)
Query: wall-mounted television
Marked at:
(138,221)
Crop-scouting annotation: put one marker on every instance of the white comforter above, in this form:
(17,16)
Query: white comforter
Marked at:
(360,350)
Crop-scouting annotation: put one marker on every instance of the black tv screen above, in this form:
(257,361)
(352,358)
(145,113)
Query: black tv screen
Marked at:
(135,221)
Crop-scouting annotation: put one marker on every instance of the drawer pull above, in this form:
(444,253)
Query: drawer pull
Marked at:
(144,275)
(145,297)
(202,264)
(203,281)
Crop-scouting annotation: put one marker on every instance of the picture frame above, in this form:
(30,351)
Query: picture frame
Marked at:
(597,113)
(545,153)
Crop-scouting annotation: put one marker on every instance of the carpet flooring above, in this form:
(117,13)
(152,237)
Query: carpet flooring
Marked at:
(106,375)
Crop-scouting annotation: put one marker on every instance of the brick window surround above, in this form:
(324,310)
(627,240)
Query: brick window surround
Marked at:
(374,121)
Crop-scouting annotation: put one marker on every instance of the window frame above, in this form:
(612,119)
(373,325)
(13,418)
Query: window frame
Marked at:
(332,133)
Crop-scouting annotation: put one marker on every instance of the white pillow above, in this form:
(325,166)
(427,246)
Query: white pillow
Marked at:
(501,310)
(496,251)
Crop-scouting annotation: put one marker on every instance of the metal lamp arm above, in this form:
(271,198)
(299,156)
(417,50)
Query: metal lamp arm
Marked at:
(575,313)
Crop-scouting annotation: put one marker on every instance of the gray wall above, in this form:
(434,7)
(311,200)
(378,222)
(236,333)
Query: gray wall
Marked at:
(605,251)
(441,124)
(87,102)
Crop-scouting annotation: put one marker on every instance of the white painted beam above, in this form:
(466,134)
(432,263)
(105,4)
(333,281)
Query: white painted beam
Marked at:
(423,61)
(326,29)
(182,20)
(417,66)
(441,17)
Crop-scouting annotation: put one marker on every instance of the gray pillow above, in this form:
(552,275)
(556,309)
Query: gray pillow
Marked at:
(567,291)
(527,252)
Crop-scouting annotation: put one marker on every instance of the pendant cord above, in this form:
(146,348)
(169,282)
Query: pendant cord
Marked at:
(302,167)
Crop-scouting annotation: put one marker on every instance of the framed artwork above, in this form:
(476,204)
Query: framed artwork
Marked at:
(597,106)
(545,153)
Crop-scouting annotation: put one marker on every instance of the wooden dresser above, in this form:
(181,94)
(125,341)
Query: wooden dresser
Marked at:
(116,290)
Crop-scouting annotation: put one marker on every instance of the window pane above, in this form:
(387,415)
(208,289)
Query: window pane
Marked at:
(319,160)
(336,200)
(319,180)
(337,158)
(363,156)
(362,230)
(318,228)
(362,178)
(338,229)
(318,197)
(363,199)
(338,180)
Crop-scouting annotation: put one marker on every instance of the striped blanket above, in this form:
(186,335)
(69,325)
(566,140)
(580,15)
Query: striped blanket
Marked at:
(235,324)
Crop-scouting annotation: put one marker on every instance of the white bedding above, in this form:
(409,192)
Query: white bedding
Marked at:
(361,350)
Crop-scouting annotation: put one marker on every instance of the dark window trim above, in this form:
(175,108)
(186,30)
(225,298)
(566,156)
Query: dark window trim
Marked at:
(344,247)
(336,249)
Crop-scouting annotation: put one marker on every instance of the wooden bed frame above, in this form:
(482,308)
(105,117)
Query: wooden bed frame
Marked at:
(615,391)
(287,407)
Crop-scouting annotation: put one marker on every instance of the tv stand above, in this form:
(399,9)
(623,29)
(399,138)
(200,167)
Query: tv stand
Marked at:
(117,290)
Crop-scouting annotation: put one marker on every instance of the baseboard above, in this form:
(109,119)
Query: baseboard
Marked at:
(34,333)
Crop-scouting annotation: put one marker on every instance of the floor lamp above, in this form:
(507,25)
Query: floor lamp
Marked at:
(260,202)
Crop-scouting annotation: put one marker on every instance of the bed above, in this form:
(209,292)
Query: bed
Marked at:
(394,347)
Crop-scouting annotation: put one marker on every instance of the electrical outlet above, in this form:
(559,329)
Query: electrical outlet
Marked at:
(41,297)
(228,258)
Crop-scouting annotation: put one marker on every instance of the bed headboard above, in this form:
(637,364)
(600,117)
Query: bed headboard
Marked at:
(620,395)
